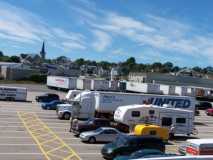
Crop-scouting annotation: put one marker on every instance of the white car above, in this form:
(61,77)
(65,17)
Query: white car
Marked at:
(102,134)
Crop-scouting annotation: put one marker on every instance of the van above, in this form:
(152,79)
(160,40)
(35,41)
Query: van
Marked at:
(199,147)
(153,130)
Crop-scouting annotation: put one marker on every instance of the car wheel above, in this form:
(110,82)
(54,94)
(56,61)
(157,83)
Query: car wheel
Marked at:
(67,116)
(92,140)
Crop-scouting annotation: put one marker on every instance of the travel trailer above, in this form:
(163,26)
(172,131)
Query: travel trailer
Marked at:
(177,120)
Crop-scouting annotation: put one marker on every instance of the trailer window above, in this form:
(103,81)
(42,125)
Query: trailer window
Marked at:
(166,121)
(151,112)
(135,113)
(180,120)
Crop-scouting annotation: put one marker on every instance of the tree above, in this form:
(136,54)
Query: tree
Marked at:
(175,69)
(80,61)
(131,61)
(168,66)
(157,66)
(1,54)
(197,69)
(15,59)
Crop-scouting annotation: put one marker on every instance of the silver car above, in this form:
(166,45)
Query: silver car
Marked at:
(102,134)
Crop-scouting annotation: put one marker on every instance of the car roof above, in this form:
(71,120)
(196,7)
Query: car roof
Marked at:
(200,141)
(106,128)
(144,138)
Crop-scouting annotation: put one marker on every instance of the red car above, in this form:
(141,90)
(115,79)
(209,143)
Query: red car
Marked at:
(209,112)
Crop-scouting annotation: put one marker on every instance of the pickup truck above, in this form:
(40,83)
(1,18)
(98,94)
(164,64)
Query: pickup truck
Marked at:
(77,127)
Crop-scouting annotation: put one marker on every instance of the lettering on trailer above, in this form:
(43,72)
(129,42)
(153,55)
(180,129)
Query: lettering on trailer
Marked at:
(177,103)
(110,99)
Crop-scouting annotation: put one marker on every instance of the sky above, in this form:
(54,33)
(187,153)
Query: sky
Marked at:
(178,31)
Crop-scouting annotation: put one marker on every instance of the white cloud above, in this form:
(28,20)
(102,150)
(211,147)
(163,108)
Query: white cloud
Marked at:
(20,25)
(159,33)
(119,52)
(73,46)
(103,40)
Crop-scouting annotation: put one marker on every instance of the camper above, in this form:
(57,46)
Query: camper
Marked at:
(13,93)
(103,104)
(177,120)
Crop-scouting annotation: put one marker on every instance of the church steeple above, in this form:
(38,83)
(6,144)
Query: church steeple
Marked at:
(43,53)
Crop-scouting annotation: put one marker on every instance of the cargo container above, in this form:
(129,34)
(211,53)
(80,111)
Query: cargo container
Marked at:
(13,93)
(99,85)
(143,87)
(84,84)
(114,85)
(62,82)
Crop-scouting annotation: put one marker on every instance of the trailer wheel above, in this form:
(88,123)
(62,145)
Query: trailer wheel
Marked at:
(67,115)
(171,135)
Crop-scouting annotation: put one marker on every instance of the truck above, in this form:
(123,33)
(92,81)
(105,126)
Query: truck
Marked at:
(103,104)
(72,94)
(59,82)
(178,121)
(13,93)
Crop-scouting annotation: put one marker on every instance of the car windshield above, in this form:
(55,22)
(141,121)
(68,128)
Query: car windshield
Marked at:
(143,153)
(98,130)
(121,141)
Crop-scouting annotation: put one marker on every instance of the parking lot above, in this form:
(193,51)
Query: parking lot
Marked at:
(28,132)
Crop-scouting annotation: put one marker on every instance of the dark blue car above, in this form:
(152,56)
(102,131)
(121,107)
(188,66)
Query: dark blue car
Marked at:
(51,105)
(144,153)
(47,97)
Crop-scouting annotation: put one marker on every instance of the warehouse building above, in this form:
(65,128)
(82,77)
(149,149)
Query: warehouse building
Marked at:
(182,78)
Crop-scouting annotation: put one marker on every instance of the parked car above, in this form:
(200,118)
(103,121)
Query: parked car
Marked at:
(102,134)
(51,105)
(77,127)
(127,144)
(154,130)
(203,105)
(209,112)
(145,153)
(47,97)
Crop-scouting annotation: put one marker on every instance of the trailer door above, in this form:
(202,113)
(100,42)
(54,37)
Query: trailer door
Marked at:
(181,124)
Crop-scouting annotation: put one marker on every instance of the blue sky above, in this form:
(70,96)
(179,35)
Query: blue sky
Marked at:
(179,31)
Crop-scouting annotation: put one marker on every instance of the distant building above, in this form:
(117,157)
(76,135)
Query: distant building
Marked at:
(181,79)
(16,71)
(43,52)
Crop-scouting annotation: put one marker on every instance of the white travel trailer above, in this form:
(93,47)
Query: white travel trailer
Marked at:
(13,93)
(179,121)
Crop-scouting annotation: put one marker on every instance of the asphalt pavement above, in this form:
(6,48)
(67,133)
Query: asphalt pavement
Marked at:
(17,135)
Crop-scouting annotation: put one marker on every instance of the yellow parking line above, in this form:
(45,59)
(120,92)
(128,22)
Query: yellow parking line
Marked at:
(56,146)
(35,139)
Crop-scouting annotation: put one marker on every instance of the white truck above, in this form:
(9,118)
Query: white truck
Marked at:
(178,121)
(103,104)
(72,94)
(60,82)
(13,93)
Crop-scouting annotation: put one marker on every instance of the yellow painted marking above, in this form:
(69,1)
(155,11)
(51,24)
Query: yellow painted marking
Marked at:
(51,145)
